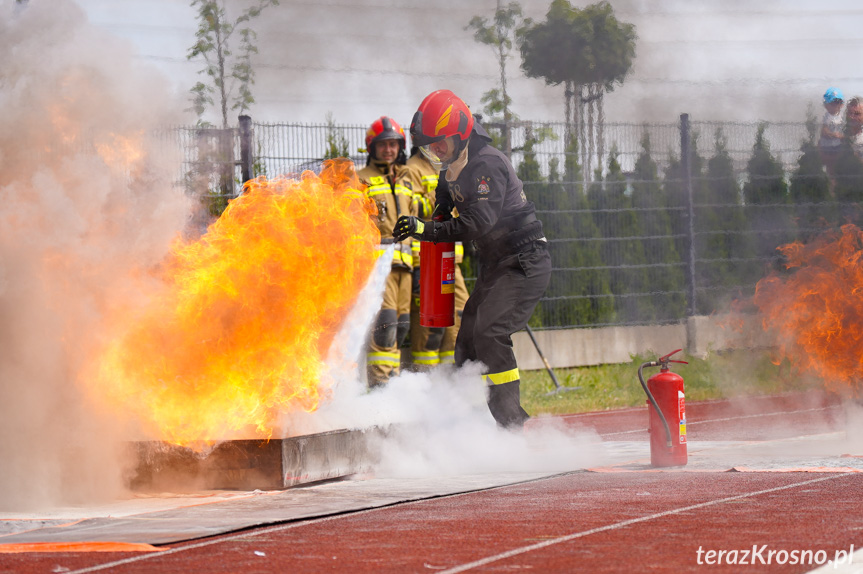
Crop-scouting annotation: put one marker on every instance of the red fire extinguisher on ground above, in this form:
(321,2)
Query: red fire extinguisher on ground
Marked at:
(667,417)
(437,284)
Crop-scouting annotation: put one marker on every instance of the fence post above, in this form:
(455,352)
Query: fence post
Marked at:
(246,148)
(686,165)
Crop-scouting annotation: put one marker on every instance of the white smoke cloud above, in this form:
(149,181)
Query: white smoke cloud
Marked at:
(437,423)
(87,201)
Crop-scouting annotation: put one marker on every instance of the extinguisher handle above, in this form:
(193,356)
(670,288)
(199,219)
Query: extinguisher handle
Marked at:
(666,359)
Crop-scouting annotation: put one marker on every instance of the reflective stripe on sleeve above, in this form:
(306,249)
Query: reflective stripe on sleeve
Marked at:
(430,182)
(381,188)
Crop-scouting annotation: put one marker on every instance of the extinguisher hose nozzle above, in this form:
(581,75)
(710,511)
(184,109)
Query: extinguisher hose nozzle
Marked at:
(669,442)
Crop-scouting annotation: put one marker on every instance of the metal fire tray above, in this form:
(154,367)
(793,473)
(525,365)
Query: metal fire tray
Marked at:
(254,464)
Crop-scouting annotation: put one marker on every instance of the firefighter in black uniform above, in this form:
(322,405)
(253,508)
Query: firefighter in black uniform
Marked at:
(493,212)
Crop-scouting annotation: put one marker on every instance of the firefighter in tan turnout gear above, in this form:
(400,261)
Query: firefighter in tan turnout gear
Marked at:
(387,184)
(493,212)
(431,346)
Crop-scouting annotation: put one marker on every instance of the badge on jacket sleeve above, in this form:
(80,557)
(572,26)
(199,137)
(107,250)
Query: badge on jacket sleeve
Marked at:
(482,186)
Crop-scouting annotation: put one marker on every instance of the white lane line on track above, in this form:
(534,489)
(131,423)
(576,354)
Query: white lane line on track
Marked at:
(175,550)
(741,417)
(279,527)
(625,523)
(463,567)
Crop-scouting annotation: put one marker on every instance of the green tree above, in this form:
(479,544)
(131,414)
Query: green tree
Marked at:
(579,292)
(622,250)
(230,75)
(810,188)
(528,170)
(337,143)
(230,78)
(592,302)
(501,35)
(723,248)
(731,267)
(766,196)
(589,51)
(676,194)
(665,274)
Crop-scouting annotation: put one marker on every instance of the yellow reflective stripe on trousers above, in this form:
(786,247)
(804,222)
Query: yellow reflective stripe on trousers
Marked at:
(391,359)
(447,358)
(501,378)
(425,357)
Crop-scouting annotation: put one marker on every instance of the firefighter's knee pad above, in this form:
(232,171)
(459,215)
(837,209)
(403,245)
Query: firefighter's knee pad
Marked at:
(384,332)
(434,339)
(404,326)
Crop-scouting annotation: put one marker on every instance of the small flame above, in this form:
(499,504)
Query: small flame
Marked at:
(816,310)
(247,313)
(121,150)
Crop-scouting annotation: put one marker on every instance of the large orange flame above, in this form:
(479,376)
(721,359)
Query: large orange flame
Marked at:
(815,308)
(248,311)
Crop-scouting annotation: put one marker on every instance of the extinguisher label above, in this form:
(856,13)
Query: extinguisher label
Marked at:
(447,268)
(681,412)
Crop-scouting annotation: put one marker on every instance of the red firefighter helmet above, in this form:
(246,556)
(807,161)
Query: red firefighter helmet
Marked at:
(441,114)
(384,128)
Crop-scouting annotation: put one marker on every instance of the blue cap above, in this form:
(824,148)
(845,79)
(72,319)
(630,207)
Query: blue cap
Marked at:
(833,95)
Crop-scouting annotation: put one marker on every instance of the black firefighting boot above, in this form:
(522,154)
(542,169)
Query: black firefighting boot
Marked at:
(504,402)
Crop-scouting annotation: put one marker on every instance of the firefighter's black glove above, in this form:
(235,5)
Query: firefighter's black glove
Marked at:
(408,226)
(442,212)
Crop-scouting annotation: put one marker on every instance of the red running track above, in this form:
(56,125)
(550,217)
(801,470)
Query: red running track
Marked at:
(581,521)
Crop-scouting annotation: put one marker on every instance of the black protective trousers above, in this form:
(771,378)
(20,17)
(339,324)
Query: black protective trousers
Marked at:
(501,303)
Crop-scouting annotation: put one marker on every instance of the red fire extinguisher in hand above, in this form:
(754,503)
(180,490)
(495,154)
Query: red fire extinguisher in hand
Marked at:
(667,418)
(437,279)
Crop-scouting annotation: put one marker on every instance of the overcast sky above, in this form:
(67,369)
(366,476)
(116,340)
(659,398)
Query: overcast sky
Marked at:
(359,59)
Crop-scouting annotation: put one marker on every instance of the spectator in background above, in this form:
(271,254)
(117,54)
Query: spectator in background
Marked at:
(854,125)
(831,131)
(848,166)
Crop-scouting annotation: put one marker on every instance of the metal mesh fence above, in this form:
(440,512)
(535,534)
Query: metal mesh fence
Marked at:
(623,249)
